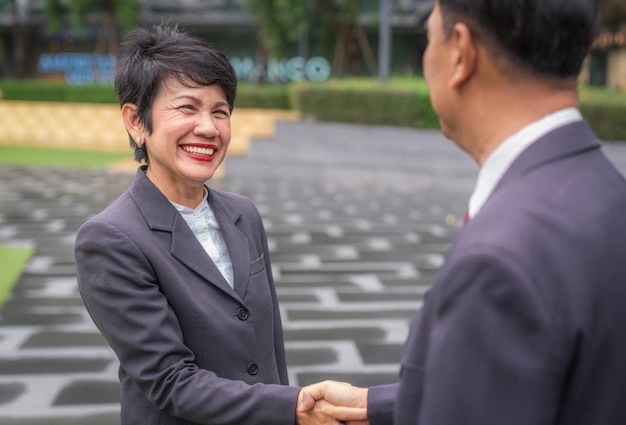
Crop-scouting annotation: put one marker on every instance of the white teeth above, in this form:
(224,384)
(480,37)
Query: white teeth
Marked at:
(196,149)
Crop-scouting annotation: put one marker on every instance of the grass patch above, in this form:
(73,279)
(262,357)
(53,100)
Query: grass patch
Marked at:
(27,155)
(13,260)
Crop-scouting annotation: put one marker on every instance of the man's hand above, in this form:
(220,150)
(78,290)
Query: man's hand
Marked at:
(332,402)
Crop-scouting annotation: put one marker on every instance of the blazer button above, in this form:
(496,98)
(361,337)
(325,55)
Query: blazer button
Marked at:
(243,314)
(253,369)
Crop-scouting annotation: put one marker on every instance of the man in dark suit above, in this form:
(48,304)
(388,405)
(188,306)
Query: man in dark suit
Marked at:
(524,323)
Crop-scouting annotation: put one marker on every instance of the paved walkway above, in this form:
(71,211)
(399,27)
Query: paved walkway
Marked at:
(359,219)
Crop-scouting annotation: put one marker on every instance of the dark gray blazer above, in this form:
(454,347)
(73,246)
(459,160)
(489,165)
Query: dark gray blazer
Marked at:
(526,320)
(191,348)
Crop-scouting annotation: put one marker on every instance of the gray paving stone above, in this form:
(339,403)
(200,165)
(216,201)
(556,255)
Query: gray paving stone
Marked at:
(296,298)
(336,315)
(69,419)
(45,365)
(380,353)
(10,391)
(89,392)
(316,356)
(38,318)
(335,333)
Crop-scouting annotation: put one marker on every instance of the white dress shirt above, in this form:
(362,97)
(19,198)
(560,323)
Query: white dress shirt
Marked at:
(500,159)
(202,222)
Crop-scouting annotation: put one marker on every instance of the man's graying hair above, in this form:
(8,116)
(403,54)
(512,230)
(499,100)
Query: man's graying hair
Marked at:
(544,37)
(152,55)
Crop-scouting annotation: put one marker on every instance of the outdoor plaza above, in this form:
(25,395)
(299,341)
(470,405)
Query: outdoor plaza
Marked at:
(359,219)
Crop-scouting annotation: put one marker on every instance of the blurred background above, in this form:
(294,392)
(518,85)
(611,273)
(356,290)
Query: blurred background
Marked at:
(288,54)
(348,38)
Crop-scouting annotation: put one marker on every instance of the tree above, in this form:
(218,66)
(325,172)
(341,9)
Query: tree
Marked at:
(612,14)
(280,22)
(612,24)
(110,17)
(285,21)
(351,43)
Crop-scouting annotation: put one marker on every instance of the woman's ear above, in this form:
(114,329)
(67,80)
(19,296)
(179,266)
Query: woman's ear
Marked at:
(133,123)
(465,55)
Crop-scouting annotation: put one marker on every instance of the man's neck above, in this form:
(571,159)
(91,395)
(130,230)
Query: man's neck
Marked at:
(506,112)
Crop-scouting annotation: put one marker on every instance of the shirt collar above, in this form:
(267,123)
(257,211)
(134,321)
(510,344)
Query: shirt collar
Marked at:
(503,156)
(203,208)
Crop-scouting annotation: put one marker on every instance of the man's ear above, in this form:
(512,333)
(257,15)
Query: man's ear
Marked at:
(465,54)
(132,121)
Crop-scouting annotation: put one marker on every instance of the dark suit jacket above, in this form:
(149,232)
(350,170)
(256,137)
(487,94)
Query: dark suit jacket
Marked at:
(191,348)
(526,320)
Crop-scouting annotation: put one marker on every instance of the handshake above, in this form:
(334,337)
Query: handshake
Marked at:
(332,402)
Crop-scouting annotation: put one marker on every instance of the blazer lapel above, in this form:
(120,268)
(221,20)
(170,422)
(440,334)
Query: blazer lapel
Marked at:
(569,140)
(161,215)
(186,248)
(236,242)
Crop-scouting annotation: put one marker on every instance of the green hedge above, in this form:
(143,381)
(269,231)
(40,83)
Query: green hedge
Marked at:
(398,102)
(405,102)
(605,109)
(248,95)
(55,91)
(607,120)
(262,96)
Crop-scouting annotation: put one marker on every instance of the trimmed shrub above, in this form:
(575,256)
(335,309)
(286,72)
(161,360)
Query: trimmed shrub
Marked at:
(269,96)
(605,109)
(365,102)
(248,95)
(56,91)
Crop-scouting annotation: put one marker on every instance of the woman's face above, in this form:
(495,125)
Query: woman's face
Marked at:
(190,136)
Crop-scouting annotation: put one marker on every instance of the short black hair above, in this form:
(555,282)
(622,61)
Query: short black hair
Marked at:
(150,56)
(544,37)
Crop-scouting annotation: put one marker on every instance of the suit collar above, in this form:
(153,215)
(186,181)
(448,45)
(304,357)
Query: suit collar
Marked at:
(501,158)
(156,209)
(565,141)
(161,215)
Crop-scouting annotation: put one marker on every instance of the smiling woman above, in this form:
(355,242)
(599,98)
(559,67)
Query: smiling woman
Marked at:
(13,260)
(176,274)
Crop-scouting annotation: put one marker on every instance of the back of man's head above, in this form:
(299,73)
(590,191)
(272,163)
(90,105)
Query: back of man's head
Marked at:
(542,37)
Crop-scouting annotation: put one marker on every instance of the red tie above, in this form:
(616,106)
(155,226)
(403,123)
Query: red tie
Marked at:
(466,217)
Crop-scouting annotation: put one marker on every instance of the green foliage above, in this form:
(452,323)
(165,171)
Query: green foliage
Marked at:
(123,13)
(606,119)
(280,21)
(264,96)
(284,21)
(55,91)
(78,12)
(364,101)
(605,110)
(126,13)
(53,11)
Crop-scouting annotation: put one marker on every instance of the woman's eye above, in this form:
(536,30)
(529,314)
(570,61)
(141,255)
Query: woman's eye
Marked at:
(222,113)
